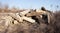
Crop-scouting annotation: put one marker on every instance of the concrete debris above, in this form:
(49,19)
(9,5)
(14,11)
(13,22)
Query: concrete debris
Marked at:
(15,22)
(16,16)
(28,19)
(7,19)
(24,12)
(27,16)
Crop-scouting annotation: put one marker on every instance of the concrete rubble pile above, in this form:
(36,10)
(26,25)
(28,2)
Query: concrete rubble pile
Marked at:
(20,17)
(16,18)
(25,16)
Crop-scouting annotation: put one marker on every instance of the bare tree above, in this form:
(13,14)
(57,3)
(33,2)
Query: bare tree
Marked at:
(6,8)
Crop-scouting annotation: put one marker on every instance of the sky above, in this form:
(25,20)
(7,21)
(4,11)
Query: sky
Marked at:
(33,4)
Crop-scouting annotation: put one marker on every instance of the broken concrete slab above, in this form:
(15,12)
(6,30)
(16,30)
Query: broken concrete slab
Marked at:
(24,12)
(28,19)
(16,16)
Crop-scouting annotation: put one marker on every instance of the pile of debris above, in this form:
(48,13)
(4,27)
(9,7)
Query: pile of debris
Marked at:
(30,16)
